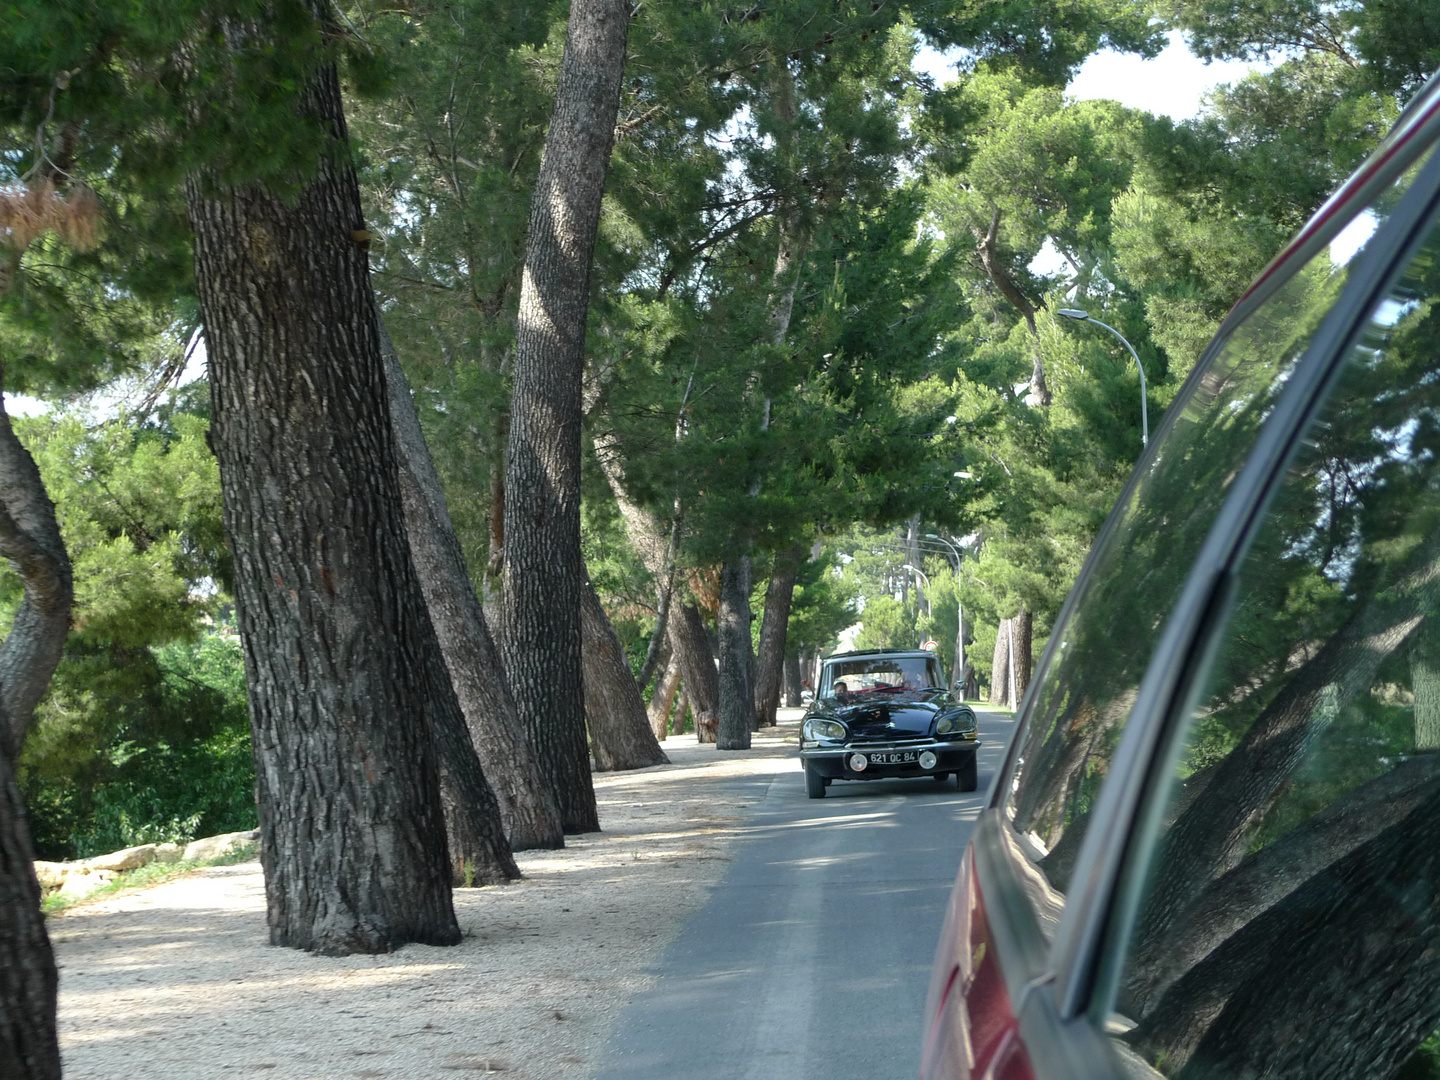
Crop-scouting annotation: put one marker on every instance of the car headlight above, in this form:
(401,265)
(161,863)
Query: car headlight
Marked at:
(950,723)
(824,729)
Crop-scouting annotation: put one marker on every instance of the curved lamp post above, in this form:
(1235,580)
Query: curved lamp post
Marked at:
(1084,316)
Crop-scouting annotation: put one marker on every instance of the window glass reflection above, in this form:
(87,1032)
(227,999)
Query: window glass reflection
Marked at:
(1290,925)
(1084,698)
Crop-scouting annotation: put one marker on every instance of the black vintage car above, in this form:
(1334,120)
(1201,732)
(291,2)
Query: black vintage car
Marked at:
(886,713)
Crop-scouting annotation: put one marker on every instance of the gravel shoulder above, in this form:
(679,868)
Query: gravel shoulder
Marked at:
(178,980)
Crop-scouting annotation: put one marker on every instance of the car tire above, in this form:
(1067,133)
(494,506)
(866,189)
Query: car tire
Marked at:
(815,784)
(968,778)
(941,777)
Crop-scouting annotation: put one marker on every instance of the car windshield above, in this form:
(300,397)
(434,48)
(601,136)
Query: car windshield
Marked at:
(883,673)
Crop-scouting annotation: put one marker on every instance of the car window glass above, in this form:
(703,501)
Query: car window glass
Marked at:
(1290,920)
(912,672)
(1083,698)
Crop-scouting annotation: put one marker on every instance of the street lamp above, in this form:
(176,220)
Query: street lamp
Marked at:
(1084,316)
(960,614)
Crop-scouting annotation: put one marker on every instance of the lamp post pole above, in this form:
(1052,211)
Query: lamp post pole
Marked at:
(1084,316)
(960,616)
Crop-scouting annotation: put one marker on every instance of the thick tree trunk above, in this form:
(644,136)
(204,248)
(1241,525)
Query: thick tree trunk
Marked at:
(620,734)
(529,813)
(544,570)
(28,979)
(1000,667)
(697,668)
(1022,629)
(737,706)
(774,624)
(663,701)
(792,681)
(331,614)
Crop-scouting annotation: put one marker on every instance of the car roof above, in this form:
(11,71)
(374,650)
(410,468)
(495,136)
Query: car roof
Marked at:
(877,652)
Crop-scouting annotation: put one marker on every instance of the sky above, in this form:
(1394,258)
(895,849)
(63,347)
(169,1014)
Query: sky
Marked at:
(1172,84)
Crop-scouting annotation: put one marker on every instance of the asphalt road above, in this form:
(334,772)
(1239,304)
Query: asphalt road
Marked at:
(811,958)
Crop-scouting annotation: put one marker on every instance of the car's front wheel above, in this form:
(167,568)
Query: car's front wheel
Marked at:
(969,775)
(814,783)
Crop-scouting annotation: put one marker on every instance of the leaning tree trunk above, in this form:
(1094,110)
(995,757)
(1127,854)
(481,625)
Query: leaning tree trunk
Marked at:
(30,539)
(774,624)
(663,700)
(620,734)
(331,614)
(792,681)
(737,705)
(544,570)
(530,814)
(697,668)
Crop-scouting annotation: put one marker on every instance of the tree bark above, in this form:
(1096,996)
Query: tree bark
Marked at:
(620,734)
(28,978)
(663,700)
(737,705)
(792,681)
(1022,627)
(1000,667)
(331,613)
(529,813)
(544,571)
(30,540)
(697,668)
(774,624)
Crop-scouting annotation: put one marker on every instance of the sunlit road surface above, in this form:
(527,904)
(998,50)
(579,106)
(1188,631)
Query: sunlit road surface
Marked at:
(812,956)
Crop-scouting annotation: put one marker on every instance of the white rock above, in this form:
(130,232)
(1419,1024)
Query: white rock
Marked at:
(83,882)
(128,859)
(53,874)
(168,853)
(212,847)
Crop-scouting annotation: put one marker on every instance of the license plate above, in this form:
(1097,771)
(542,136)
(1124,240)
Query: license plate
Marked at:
(895,757)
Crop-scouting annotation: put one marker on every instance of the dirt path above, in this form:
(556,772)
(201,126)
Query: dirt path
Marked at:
(177,981)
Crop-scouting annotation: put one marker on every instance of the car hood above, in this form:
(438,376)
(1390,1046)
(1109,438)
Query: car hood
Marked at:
(889,716)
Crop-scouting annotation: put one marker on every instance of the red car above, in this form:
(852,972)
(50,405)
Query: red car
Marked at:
(1214,848)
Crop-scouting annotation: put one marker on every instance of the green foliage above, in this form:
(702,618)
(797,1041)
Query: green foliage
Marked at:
(144,733)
